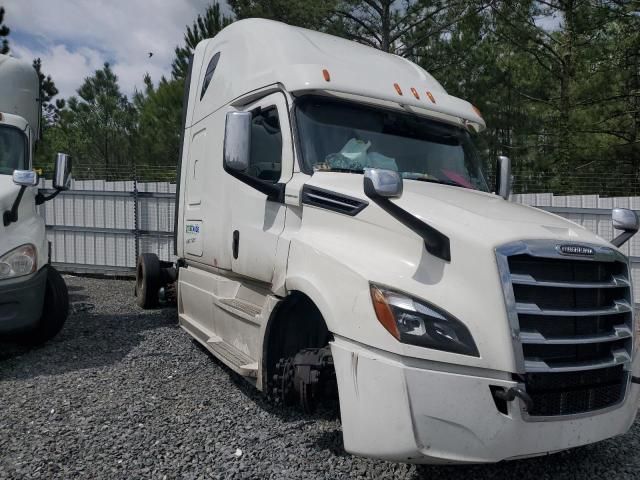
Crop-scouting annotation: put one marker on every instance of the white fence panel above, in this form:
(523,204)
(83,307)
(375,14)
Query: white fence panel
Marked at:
(100,226)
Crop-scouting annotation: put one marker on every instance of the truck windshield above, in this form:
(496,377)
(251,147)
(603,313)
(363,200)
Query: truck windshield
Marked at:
(346,137)
(13,150)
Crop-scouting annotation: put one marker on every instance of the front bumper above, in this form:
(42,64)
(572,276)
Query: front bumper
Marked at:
(414,411)
(21,301)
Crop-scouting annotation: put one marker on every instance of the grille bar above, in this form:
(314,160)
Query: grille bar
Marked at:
(535,337)
(524,279)
(618,357)
(533,309)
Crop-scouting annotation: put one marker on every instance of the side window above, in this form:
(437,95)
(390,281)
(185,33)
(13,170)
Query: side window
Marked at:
(213,63)
(265,160)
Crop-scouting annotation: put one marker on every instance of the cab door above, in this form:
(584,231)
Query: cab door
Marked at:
(256,219)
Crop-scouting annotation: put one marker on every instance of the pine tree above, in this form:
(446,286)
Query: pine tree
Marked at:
(4,33)
(101,122)
(48,90)
(311,14)
(205,26)
(397,27)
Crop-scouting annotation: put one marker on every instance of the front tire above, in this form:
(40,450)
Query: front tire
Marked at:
(55,309)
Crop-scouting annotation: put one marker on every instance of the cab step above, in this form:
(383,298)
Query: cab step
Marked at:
(241,308)
(232,357)
(229,355)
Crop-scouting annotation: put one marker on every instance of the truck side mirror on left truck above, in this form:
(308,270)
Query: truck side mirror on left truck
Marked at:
(503,177)
(25,178)
(62,173)
(237,141)
(627,221)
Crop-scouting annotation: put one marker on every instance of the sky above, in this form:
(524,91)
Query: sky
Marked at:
(76,37)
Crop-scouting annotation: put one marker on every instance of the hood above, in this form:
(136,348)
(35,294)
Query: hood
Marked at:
(479,217)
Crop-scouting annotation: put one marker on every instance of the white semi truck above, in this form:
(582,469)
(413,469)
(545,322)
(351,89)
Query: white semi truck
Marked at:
(33,295)
(336,234)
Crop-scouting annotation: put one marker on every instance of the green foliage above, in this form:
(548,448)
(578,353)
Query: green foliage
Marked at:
(4,33)
(98,128)
(48,90)
(396,27)
(159,124)
(301,13)
(205,26)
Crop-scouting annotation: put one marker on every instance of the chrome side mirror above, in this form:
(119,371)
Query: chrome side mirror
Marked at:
(25,178)
(379,183)
(627,221)
(62,173)
(237,141)
(503,177)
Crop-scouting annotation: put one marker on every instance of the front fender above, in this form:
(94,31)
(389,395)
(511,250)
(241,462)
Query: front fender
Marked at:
(333,258)
(341,294)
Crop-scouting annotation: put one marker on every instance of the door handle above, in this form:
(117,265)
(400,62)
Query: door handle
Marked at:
(236,243)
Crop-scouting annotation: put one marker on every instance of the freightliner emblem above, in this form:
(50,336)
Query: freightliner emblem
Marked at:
(576,250)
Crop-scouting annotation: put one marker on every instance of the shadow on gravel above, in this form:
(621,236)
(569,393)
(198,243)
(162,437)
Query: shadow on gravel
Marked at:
(86,341)
(77,297)
(284,413)
(331,441)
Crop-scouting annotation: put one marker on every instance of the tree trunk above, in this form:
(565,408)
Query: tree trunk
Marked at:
(565,106)
(385,34)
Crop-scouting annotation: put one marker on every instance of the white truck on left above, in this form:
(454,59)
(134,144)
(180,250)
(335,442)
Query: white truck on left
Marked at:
(33,296)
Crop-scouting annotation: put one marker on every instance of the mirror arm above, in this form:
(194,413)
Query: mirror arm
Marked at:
(11,216)
(41,198)
(623,238)
(273,191)
(436,242)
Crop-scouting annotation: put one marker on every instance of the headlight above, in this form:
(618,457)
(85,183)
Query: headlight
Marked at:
(417,322)
(19,261)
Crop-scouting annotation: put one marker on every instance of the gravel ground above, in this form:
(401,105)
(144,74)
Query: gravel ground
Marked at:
(124,393)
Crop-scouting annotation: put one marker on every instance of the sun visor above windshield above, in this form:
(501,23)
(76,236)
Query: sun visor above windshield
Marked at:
(418,93)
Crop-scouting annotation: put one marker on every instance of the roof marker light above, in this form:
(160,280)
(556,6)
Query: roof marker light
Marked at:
(326,75)
(415,93)
(431,97)
(398,89)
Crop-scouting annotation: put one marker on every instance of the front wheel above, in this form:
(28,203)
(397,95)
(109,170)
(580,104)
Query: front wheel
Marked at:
(54,310)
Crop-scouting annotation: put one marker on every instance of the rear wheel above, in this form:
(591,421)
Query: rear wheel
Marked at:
(54,310)
(147,280)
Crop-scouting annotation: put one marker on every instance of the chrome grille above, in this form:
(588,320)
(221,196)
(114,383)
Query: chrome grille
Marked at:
(572,322)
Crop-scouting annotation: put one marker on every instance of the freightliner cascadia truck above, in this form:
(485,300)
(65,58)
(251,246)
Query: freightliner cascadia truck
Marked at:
(336,235)
(33,295)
